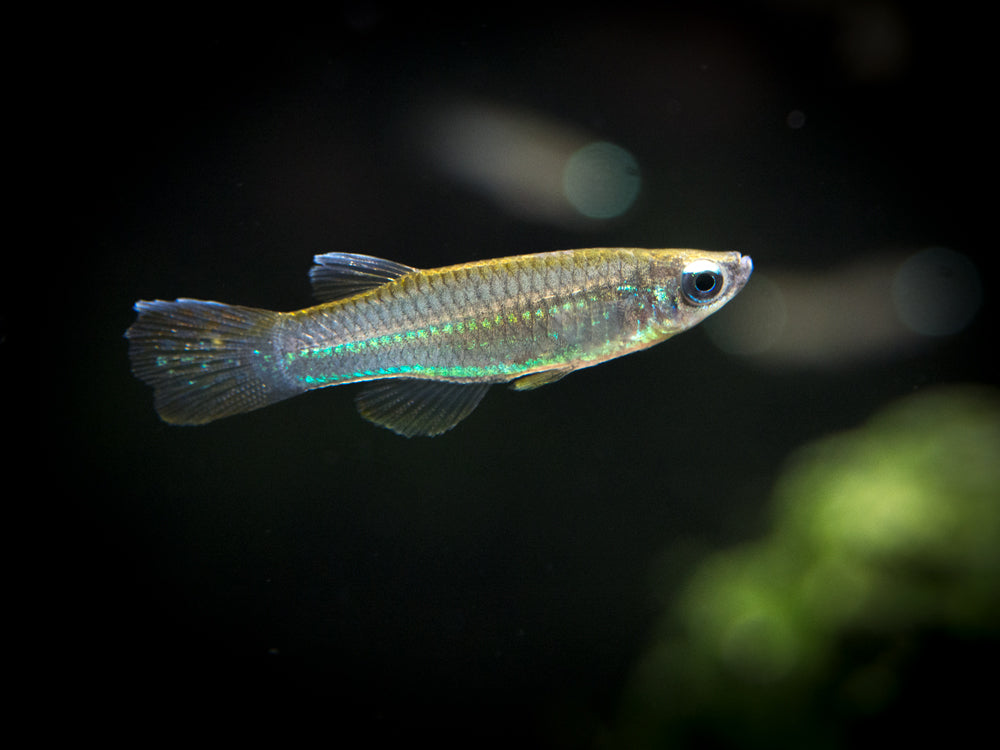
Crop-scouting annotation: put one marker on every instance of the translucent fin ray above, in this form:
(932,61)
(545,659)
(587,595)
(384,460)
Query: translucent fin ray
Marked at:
(538,379)
(339,275)
(204,360)
(412,407)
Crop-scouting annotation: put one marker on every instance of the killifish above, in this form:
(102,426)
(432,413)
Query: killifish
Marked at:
(427,344)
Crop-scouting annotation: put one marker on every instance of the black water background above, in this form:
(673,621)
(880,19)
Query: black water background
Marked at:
(499,577)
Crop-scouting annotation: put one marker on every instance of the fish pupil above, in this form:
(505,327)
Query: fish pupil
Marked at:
(705,282)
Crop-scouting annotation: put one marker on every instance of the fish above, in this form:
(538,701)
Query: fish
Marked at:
(426,344)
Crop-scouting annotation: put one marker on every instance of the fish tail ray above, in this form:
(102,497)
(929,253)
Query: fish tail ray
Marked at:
(206,360)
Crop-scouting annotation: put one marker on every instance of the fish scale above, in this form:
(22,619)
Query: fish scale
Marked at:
(529,319)
(433,328)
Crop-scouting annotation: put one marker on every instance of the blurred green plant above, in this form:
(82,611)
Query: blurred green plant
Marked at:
(854,621)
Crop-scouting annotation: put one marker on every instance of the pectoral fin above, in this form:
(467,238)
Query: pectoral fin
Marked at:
(410,406)
(538,379)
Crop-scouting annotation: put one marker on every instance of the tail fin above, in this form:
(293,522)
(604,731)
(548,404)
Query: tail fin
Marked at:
(206,360)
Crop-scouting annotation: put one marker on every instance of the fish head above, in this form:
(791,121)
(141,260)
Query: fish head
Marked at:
(689,285)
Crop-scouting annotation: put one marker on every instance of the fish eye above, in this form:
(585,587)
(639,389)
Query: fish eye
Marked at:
(701,281)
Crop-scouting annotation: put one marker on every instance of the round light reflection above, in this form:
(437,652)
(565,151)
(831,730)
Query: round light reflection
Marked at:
(937,292)
(601,180)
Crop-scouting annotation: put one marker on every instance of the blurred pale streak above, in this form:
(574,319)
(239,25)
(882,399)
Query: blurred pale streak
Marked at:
(870,309)
(531,165)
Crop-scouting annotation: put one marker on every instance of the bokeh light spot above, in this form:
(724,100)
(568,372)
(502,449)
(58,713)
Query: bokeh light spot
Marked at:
(601,180)
(937,291)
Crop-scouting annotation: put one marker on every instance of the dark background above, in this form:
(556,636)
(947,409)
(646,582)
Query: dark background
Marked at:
(495,581)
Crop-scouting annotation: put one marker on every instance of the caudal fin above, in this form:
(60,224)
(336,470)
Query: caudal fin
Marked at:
(206,360)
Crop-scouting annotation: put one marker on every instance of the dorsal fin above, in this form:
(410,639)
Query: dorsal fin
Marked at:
(339,275)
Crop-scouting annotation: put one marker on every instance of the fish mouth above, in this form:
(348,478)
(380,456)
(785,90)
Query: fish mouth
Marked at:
(746,264)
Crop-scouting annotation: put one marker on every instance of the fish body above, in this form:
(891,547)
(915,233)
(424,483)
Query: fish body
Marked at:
(427,343)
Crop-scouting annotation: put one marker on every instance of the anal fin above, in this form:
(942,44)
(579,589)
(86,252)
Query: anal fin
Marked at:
(411,406)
